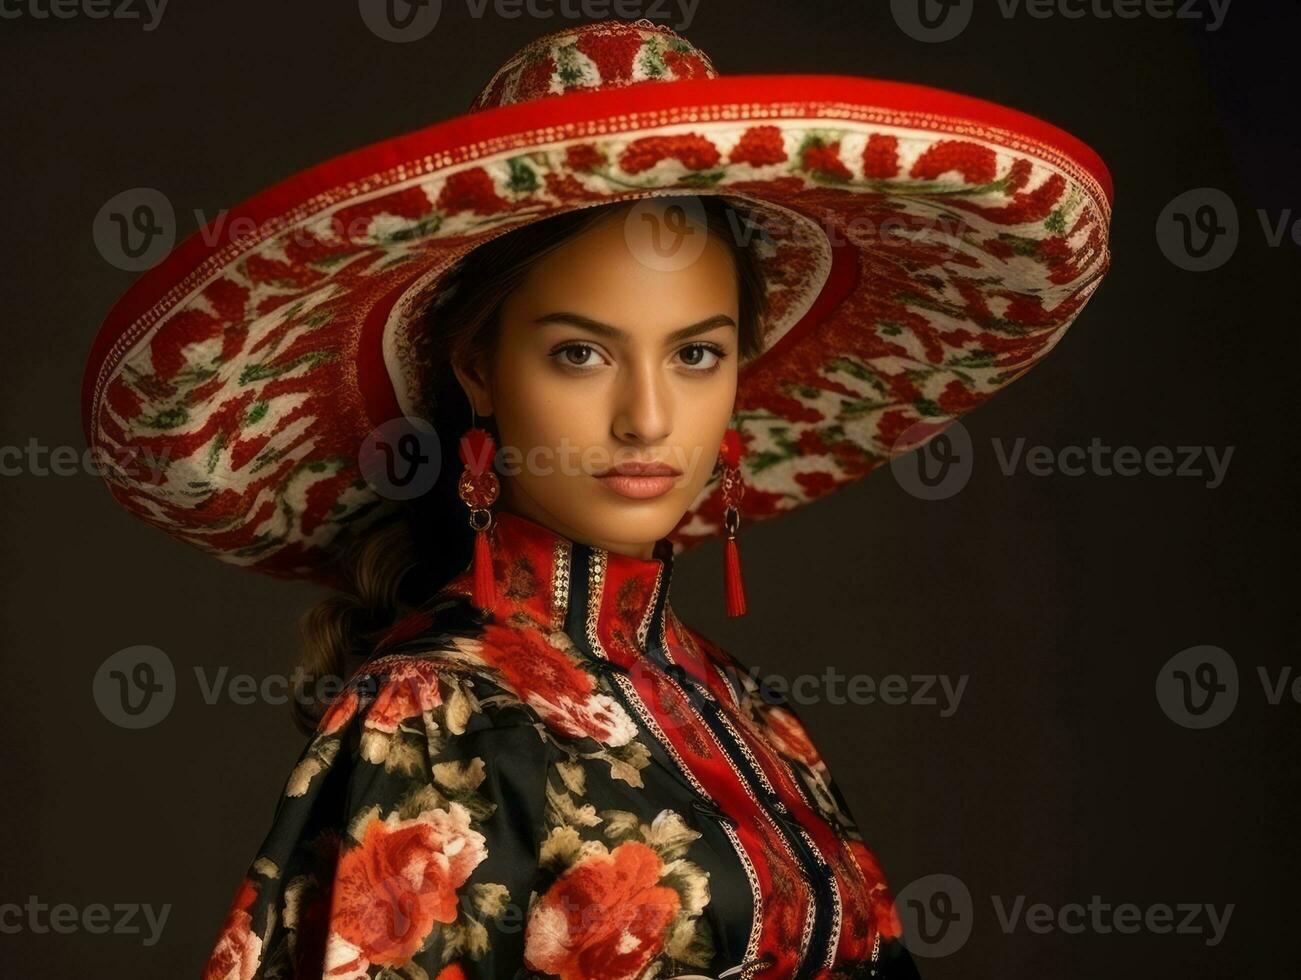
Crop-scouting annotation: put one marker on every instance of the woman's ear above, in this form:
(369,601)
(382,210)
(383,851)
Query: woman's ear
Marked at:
(473,380)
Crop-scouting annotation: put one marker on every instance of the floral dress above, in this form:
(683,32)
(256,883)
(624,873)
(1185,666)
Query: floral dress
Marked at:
(573,784)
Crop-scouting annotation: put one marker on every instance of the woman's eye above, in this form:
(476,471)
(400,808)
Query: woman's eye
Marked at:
(577,355)
(700,357)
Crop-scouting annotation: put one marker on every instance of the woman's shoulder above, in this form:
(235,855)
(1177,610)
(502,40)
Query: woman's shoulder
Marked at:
(402,833)
(432,662)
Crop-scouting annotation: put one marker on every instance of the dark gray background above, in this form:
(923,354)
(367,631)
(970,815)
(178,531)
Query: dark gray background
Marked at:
(1059,597)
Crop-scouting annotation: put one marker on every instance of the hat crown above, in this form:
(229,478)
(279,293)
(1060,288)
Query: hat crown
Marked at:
(602,55)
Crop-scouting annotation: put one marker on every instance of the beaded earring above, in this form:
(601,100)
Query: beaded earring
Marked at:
(478,489)
(733,490)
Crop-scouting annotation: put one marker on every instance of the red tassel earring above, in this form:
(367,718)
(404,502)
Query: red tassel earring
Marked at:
(733,490)
(478,488)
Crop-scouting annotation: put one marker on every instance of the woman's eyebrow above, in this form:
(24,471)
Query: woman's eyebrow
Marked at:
(605,330)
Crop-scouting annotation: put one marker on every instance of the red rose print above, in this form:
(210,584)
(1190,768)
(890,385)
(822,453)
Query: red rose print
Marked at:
(410,691)
(238,953)
(584,157)
(999,249)
(816,483)
(881,157)
(123,400)
(558,689)
(614,54)
(392,888)
(1019,175)
(825,160)
(810,443)
(354,222)
(339,713)
(759,146)
(471,190)
(685,64)
(567,188)
(535,80)
(789,736)
(894,423)
(692,151)
(976,163)
(605,918)
(955,399)
(1026,206)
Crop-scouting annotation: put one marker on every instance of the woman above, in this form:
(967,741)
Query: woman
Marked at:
(534,768)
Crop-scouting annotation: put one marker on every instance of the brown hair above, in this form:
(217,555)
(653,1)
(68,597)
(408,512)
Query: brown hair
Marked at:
(398,565)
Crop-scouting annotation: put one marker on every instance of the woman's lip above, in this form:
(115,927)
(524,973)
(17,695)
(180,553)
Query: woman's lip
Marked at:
(639,487)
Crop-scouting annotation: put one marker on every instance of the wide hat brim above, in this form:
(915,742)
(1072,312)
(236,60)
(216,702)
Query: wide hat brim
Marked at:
(923,249)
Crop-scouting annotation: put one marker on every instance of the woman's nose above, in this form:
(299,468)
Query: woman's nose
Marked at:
(644,408)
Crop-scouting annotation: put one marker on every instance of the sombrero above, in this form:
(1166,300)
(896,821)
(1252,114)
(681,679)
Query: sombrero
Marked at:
(922,250)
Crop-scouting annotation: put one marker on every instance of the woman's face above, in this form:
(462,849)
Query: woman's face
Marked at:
(619,347)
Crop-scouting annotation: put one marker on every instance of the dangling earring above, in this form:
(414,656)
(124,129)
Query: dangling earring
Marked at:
(733,490)
(478,488)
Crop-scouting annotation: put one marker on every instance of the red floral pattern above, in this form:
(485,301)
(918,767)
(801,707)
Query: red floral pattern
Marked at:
(572,934)
(759,146)
(400,880)
(489,836)
(693,151)
(547,678)
(605,54)
(238,951)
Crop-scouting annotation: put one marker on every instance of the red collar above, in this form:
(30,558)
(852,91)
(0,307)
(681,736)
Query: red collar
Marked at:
(533,566)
